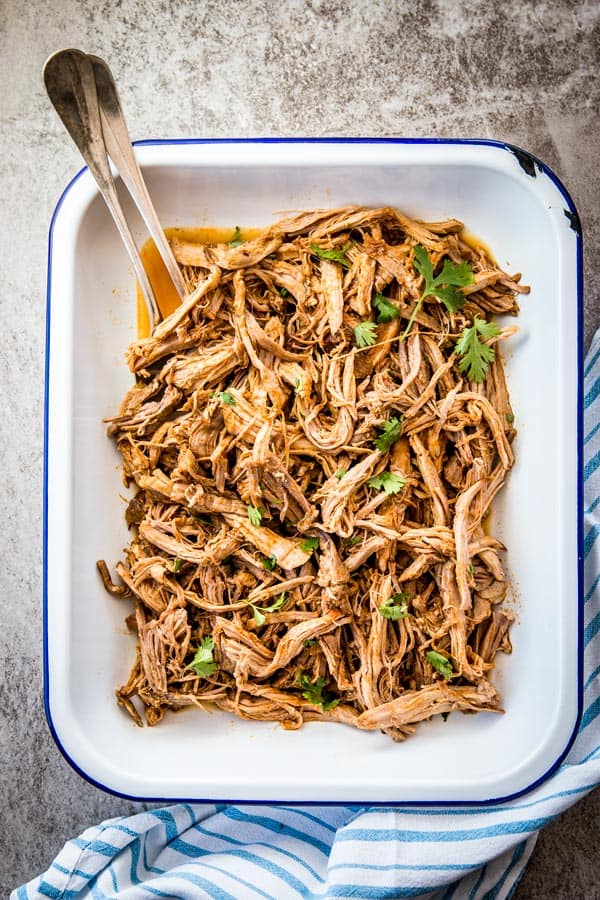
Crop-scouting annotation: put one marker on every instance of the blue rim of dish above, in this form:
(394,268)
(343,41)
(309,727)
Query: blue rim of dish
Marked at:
(529,163)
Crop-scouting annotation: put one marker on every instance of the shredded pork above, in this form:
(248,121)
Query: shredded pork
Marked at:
(258,529)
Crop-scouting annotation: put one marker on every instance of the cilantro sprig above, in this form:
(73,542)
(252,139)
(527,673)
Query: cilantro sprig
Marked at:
(313,692)
(237,238)
(440,663)
(388,482)
(259,613)
(365,334)
(476,355)
(338,256)
(387,311)
(443,286)
(203,662)
(226,398)
(396,607)
(255,514)
(309,544)
(390,432)
(269,562)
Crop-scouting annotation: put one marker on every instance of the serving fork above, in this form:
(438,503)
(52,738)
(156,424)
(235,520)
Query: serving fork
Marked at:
(83,91)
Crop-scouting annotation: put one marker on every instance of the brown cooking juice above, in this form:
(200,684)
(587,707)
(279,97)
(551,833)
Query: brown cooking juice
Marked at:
(167,297)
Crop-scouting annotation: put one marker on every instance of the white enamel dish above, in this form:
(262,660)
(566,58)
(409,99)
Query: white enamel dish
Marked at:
(519,208)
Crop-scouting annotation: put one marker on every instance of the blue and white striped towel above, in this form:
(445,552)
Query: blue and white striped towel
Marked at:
(239,852)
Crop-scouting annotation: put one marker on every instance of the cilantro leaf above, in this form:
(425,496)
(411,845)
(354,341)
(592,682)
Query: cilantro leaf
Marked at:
(456,275)
(309,544)
(338,256)
(390,432)
(440,663)
(476,356)
(450,297)
(177,564)
(443,286)
(388,482)
(510,418)
(269,562)
(352,541)
(396,607)
(226,398)
(387,311)
(203,662)
(283,291)
(365,334)
(255,514)
(298,384)
(237,239)
(313,692)
(451,275)
(258,612)
(423,263)
(340,473)
(277,604)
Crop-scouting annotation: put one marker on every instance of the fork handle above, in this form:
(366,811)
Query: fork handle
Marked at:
(69,80)
(118,144)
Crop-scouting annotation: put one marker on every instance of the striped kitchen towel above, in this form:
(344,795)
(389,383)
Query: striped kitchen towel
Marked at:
(239,852)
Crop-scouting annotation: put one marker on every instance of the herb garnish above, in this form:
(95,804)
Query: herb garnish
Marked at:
(203,662)
(313,692)
(258,612)
(443,286)
(388,482)
(396,607)
(390,432)
(476,356)
(237,239)
(309,544)
(440,663)
(386,311)
(269,562)
(338,256)
(255,514)
(365,334)
(226,398)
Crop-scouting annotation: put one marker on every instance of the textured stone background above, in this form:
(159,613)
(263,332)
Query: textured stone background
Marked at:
(525,72)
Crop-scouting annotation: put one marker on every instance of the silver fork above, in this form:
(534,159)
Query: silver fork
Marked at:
(83,92)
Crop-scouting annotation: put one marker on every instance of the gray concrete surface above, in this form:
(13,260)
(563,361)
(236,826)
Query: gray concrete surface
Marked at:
(526,73)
